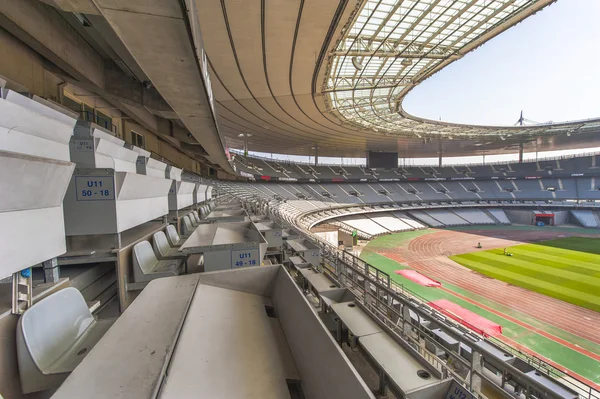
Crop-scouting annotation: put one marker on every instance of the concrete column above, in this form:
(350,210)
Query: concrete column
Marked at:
(51,270)
(406,326)
(245,145)
(316,156)
(521,152)
(476,366)
(440,154)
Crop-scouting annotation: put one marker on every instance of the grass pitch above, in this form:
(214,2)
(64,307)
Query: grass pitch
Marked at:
(567,269)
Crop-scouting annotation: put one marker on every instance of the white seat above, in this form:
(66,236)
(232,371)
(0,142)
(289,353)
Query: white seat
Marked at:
(162,247)
(188,227)
(195,213)
(174,239)
(53,337)
(147,267)
(193,220)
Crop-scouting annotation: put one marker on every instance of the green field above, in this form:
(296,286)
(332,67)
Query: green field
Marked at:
(567,269)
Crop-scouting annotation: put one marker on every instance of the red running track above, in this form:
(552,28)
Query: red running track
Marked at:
(428,255)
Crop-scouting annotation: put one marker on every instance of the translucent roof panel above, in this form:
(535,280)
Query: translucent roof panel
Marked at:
(392,45)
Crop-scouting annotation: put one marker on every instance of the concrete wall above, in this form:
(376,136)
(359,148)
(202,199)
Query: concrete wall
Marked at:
(160,147)
(520,217)
(22,65)
(329,236)
(561,217)
(325,372)
(25,67)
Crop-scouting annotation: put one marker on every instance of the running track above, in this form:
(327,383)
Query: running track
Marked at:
(428,254)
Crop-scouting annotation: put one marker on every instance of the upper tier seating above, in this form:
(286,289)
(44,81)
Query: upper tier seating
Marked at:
(543,168)
(53,337)
(147,267)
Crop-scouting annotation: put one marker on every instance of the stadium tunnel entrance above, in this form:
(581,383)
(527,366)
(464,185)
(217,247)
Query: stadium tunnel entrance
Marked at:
(544,219)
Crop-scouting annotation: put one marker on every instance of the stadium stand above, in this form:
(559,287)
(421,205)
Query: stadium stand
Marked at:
(585,218)
(446,217)
(499,215)
(560,167)
(425,218)
(390,222)
(474,216)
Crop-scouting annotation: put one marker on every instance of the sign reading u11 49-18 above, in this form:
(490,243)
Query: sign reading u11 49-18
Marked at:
(94,188)
(244,258)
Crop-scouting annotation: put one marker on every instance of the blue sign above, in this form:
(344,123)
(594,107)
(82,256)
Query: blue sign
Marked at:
(457,391)
(94,188)
(244,258)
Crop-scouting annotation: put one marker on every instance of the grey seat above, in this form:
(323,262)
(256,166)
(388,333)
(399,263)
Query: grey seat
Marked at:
(53,337)
(147,267)
(163,249)
(195,222)
(174,239)
(195,213)
(188,227)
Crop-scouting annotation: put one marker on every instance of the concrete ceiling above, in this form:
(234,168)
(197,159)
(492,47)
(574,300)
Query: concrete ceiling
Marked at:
(268,64)
(268,61)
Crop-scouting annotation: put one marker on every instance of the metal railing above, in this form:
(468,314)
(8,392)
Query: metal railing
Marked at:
(377,292)
(363,165)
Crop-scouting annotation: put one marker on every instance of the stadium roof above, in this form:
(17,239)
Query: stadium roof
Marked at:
(304,74)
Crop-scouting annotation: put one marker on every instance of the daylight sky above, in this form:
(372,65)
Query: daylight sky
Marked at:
(548,66)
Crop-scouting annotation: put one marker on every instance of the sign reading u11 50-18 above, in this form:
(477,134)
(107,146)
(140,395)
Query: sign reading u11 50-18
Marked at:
(94,188)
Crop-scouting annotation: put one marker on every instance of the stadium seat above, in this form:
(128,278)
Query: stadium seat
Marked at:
(174,239)
(163,249)
(188,226)
(195,214)
(147,267)
(53,337)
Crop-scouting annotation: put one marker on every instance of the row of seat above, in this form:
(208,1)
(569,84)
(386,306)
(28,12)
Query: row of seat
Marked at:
(162,258)
(55,334)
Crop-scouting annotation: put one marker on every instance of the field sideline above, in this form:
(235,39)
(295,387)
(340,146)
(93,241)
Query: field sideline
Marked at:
(567,269)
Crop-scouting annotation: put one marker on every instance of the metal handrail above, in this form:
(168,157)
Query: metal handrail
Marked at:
(363,165)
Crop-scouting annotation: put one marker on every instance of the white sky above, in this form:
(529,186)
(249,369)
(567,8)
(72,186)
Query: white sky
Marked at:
(548,66)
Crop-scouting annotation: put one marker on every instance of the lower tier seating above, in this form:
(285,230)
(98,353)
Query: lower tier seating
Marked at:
(53,337)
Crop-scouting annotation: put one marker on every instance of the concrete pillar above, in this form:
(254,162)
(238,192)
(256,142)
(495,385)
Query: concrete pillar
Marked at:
(51,270)
(521,152)
(406,325)
(316,156)
(476,366)
(440,154)
(245,145)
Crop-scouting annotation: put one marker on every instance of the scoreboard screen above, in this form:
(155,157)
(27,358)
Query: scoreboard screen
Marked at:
(382,160)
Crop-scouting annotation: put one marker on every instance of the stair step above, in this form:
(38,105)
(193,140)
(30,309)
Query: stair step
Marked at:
(97,287)
(93,305)
(83,280)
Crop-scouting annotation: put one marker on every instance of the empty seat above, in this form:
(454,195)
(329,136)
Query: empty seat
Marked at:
(195,213)
(53,337)
(162,247)
(193,220)
(174,239)
(147,267)
(188,227)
